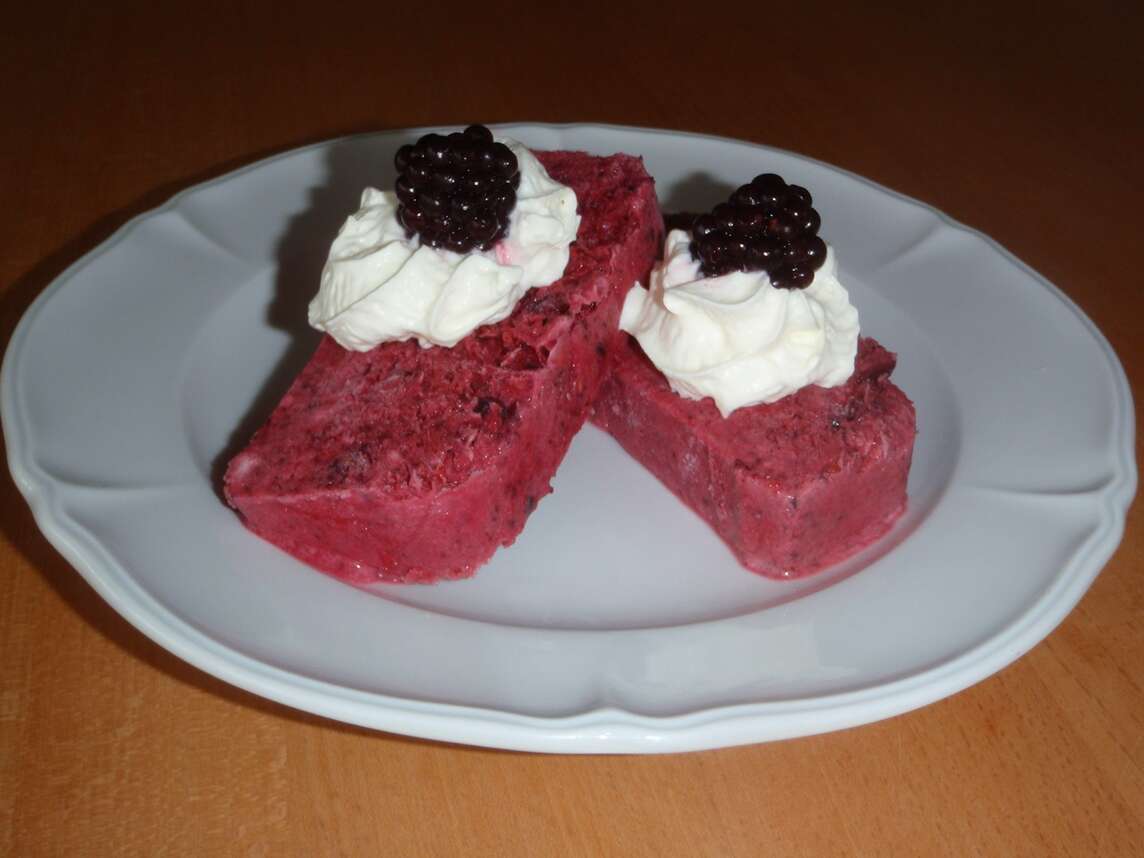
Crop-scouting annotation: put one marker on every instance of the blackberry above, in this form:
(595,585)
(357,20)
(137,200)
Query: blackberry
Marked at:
(766,225)
(456,192)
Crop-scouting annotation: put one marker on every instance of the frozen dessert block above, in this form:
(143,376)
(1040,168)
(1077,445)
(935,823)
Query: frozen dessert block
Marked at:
(410,464)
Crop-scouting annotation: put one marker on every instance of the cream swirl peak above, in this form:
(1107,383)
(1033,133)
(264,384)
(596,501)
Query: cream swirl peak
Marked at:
(380,286)
(737,338)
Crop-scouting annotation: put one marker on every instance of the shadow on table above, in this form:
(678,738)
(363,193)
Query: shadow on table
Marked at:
(301,252)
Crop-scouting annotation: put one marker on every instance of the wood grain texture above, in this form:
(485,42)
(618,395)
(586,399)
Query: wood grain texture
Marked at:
(1024,122)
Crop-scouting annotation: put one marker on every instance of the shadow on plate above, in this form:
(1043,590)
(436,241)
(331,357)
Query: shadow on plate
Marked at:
(696,192)
(300,254)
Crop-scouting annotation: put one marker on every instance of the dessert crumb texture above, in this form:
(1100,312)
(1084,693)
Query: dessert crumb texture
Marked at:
(791,487)
(411,464)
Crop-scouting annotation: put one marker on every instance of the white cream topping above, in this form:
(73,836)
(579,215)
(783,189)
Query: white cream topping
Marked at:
(379,286)
(736,338)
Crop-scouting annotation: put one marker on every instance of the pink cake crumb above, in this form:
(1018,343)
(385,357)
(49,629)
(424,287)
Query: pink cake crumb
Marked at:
(413,465)
(791,487)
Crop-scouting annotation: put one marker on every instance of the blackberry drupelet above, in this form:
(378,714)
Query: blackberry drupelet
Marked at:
(766,225)
(456,192)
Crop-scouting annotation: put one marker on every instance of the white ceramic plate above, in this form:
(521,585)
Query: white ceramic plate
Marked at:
(618,622)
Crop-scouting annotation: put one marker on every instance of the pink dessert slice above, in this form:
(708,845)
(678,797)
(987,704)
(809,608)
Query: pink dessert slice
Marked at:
(411,464)
(791,487)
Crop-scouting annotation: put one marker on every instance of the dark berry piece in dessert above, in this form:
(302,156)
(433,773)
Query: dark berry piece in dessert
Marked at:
(766,225)
(456,192)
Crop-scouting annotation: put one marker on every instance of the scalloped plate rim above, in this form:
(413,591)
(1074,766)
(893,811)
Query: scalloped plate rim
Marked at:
(594,730)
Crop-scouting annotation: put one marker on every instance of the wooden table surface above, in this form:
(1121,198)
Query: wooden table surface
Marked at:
(1024,123)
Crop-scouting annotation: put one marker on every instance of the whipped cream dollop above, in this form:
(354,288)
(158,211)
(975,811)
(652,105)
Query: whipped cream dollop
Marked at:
(736,338)
(379,286)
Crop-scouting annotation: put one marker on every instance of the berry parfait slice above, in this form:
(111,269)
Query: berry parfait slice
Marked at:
(741,382)
(467,312)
